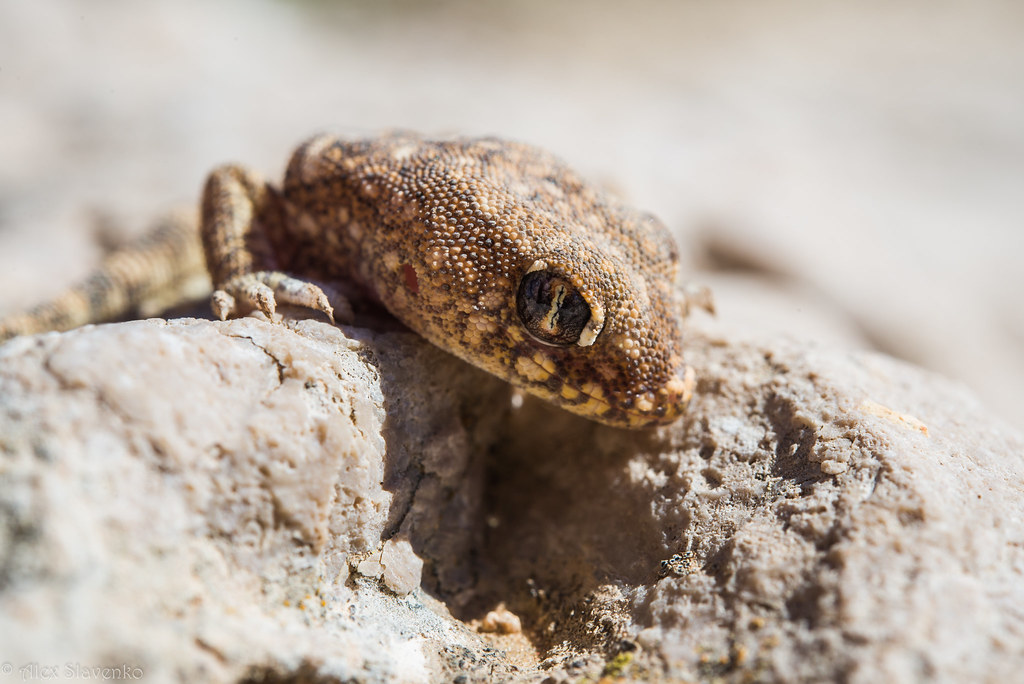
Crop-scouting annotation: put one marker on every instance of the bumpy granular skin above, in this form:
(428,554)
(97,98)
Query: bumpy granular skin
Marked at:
(444,232)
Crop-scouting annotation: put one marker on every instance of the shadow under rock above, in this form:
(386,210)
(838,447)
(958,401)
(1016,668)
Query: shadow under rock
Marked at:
(440,419)
(565,524)
(527,505)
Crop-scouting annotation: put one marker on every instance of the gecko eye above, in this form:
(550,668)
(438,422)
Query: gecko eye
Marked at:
(551,308)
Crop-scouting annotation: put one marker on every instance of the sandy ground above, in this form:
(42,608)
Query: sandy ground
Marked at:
(863,161)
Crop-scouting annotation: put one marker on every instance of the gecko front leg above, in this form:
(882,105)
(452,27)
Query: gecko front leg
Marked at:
(242,219)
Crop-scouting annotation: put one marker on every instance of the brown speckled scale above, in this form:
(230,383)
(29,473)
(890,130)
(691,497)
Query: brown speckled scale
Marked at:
(443,233)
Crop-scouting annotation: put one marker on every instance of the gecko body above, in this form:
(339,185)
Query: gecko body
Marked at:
(494,251)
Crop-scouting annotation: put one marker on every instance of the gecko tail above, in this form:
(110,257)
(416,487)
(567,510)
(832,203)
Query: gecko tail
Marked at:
(162,269)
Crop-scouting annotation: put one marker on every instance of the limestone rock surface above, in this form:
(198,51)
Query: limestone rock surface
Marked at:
(193,500)
(247,501)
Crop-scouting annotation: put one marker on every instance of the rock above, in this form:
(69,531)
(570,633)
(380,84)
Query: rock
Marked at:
(246,501)
(817,516)
(502,621)
(401,567)
(185,499)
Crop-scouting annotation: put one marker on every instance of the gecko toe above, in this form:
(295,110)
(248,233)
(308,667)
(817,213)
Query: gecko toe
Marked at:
(223,304)
(262,298)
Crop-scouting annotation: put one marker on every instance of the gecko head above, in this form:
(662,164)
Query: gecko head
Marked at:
(600,341)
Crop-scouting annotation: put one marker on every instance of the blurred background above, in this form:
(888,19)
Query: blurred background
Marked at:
(849,173)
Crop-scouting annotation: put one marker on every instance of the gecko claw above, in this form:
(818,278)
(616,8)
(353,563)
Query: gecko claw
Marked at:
(223,304)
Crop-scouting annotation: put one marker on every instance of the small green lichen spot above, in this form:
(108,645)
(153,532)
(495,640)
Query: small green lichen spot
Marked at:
(617,665)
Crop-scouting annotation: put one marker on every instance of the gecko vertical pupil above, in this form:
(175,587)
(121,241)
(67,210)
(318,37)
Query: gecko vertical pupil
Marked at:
(552,310)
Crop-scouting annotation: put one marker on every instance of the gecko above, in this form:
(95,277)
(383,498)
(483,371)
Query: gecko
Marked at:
(494,251)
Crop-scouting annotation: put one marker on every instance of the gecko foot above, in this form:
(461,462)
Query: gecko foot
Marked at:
(263,291)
